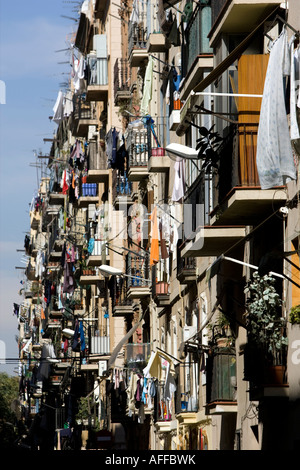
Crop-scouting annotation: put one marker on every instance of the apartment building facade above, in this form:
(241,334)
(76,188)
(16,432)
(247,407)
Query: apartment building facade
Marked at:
(163,272)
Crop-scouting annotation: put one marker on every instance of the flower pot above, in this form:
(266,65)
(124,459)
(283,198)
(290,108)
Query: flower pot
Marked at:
(83,179)
(275,375)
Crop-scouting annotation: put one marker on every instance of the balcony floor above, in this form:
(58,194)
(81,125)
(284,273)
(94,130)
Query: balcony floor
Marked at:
(247,205)
(213,241)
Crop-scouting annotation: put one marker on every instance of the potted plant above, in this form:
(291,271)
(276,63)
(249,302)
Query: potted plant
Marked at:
(221,332)
(294,316)
(265,326)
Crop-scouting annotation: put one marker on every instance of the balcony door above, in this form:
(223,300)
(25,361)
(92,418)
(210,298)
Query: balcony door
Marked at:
(251,77)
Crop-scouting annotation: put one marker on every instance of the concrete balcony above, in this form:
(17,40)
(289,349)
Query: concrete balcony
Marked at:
(174,119)
(157,42)
(247,205)
(34,219)
(202,64)
(85,201)
(97,176)
(213,241)
(89,279)
(186,270)
(239,16)
(56,199)
(97,92)
(159,163)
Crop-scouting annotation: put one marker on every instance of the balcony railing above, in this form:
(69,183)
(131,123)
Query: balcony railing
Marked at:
(216,7)
(238,159)
(96,337)
(119,293)
(186,269)
(97,70)
(137,30)
(139,150)
(137,270)
(121,185)
(197,30)
(121,77)
(83,110)
(221,376)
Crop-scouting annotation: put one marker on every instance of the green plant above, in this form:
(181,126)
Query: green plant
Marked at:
(221,328)
(294,316)
(208,146)
(264,323)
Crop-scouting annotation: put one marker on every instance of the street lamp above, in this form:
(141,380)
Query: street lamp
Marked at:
(179,152)
(107,270)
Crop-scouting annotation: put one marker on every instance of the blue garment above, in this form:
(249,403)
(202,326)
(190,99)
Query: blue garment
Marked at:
(82,340)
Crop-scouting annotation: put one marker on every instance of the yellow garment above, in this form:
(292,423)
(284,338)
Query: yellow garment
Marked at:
(154,249)
(155,364)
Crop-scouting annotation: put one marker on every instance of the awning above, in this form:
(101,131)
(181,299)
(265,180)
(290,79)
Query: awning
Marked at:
(234,55)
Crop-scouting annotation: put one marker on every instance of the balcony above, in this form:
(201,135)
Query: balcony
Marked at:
(89,194)
(121,81)
(138,154)
(56,199)
(121,304)
(198,57)
(158,162)
(241,199)
(186,270)
(122,191)
(90,277)
(157,42)
(55,243)
(162,293)
(239,16)
(137,43)
(266,372)
(96,338)
(97,77)
(97,165)
(99,253)
(34,219)
(138,272)
(221,382)
(212,241)
(84,115)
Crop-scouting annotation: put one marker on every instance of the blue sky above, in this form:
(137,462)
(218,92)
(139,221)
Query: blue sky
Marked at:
(30,34)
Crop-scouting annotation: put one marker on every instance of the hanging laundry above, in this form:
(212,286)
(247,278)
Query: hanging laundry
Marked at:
(58,110)
(274,156)
(147,91)
(179,181)
(294,97)
(78,73)
(68,104)
(163,244)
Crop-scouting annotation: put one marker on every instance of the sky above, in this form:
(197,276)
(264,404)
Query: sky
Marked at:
(33,36)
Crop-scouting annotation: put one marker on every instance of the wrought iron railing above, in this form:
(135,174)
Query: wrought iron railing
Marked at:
(97,336)
(221,376)
(138,270)
(119,292)
(196,34)
(121,75)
